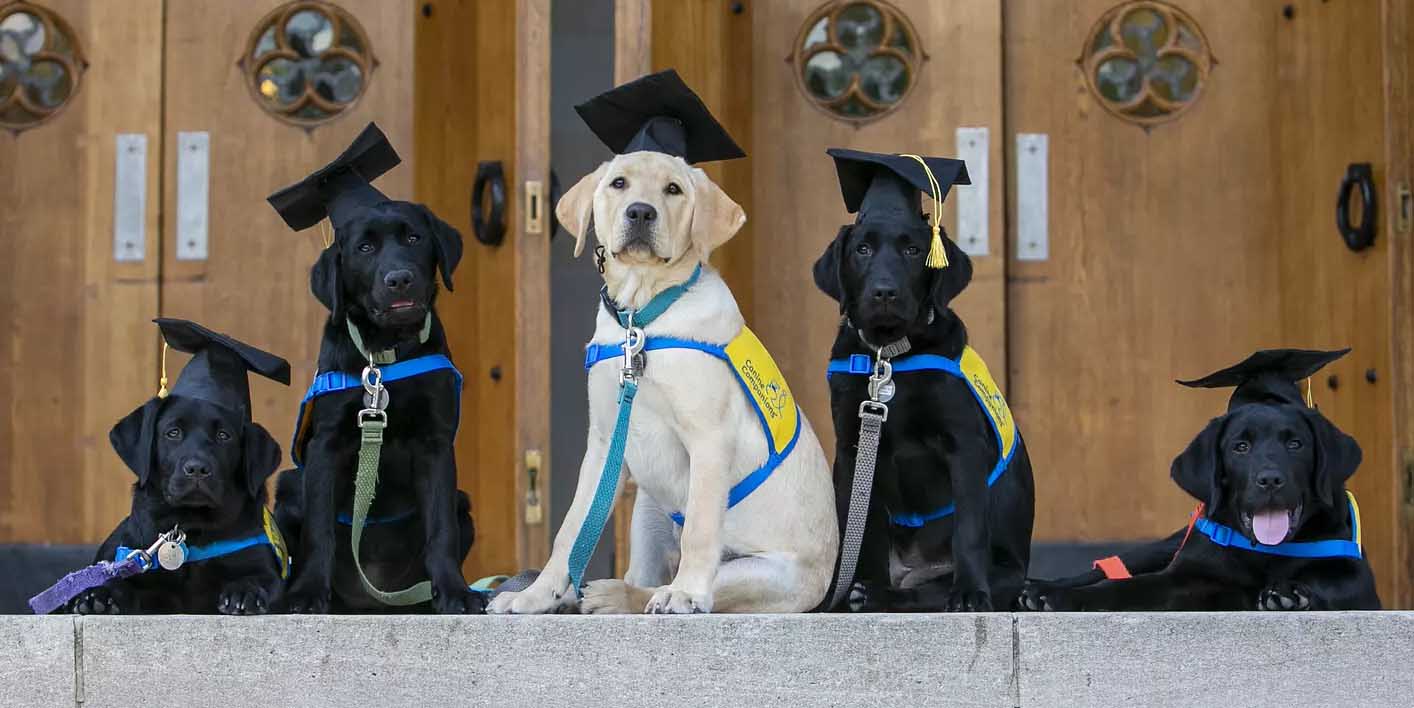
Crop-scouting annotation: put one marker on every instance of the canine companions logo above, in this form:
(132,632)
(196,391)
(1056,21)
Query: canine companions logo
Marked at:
(765,385)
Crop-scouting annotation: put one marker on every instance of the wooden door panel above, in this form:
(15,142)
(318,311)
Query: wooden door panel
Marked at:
(79,354)
(796,205)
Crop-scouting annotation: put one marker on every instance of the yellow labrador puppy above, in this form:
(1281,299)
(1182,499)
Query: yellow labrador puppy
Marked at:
(695,436)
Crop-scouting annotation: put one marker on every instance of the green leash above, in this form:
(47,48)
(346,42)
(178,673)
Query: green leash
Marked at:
(372,421)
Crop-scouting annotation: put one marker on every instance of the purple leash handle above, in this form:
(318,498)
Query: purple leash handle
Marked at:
(72,585)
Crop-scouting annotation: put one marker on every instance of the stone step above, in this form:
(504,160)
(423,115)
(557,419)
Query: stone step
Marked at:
(895,661)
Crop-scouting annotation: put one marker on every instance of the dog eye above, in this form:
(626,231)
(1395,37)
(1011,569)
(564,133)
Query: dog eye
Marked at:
(1242,447)
(222,435)
(173,433)
(912,251)
(863,249)
(1293,444)
(619,183)
(414,238)
(365,247)
(673,188)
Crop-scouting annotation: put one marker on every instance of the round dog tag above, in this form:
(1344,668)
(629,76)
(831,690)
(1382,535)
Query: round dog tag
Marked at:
(884,392)
(171,555)
(382,403)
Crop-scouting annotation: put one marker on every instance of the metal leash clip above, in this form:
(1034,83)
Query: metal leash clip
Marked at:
(634,360)
(167,550)
(881,382)
(375,397)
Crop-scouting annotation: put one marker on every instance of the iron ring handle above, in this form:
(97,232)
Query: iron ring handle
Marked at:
(489,231)
(1361,236)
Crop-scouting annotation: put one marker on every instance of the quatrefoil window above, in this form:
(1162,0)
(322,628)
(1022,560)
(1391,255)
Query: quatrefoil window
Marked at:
(40,65)
(1147,61)
(307,62)
(857,60)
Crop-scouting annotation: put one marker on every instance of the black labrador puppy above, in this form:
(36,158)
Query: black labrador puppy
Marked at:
(379,280)
(201,467)
(940,449)
(1276,529)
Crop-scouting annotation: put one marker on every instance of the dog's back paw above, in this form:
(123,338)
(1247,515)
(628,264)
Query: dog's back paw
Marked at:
(613,597)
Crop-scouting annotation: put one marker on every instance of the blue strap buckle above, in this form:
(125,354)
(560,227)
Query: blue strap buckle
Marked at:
(1221,535)
(861,364)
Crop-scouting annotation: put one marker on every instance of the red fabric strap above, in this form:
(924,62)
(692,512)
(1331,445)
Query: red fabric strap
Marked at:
(1113,568)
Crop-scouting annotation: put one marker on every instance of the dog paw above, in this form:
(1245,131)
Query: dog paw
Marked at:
(610,597)
(1284,597)
(538,599)
(308,603)
(864,598)
(458,601)
(98,601)
(667,601)
(1034,598)
(243,598)
(968,601)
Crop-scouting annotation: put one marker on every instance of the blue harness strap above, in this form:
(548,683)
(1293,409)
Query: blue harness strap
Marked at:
(776,452)
(196,554)
(329,382)
(983,391)
(1228,537)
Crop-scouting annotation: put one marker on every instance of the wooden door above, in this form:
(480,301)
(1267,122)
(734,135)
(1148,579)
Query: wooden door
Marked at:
(1185,232)
(79,352)
(482,94)
(742,58)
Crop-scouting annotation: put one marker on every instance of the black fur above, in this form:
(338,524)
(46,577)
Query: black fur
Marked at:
(390,254)
(1256,456)
(199,466)
(937,445)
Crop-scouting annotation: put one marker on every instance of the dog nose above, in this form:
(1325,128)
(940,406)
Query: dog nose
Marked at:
(195,468)
(1271,480)
(398,280)
(640,213)
(886,293)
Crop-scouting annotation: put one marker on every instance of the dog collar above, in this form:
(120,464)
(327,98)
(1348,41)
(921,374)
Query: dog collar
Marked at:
(386,356)
(898,347)
(655,307)
(269,536)
(1228,537)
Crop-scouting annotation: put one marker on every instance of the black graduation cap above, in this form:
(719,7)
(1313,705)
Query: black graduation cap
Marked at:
(340,188)
(1269,375)
(881,186)
(658,113)
(218,367)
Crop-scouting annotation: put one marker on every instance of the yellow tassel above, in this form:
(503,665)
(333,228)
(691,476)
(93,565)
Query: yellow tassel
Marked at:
(937,253)
(1310,400)
(162,383)
(324,232)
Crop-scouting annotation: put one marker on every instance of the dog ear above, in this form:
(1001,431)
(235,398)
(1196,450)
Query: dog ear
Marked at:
(949,282)
(1337,456)
(829,267)
(575,209)
(261,457)
(1196,470)
(325,282)
(132,438)
(447,240)
(715,217)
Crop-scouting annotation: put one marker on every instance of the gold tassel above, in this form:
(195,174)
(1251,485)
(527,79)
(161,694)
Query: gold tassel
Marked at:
(324,232)
(162,383)
(1310,400)
(937,253)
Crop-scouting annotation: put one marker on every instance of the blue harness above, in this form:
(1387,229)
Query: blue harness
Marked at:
(596,353)
(970,369)
(269,536)
(335,381)
(1228,537)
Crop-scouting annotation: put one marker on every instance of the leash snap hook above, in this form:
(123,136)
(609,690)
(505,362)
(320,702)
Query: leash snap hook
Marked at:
(881,382)
(375,396)
(634,361)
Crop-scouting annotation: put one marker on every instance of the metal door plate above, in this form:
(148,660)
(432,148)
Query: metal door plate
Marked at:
(193,184)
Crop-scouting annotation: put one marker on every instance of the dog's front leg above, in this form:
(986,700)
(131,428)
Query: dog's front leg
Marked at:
(314,568)
(971,541)
(709,482)
(436,489)
(551,590)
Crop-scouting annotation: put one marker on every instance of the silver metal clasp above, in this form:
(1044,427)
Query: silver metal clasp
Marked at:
(176,537)
(881,382)
(634,361)
(375,396)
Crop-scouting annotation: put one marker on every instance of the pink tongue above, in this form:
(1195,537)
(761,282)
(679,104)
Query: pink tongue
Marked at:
(1270,526)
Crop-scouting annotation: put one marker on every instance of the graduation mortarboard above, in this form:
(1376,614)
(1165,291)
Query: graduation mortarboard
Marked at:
(341,188)
(218,367)
(658,113)
(881,186)
(1269,376)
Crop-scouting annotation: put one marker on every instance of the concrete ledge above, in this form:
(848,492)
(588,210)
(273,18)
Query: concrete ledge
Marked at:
(810,660)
